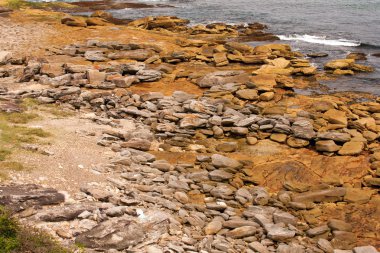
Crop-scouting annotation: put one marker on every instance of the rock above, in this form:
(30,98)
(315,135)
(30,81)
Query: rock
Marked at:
(181,197)
(318,231)
(220,59)
(357,195)
(365,249)
(52,69)
(335,224)
(125,81)
(5,57)
(137,143)
(266,96)
(192,121)
(112,234)
(335,136)
(223,191)
(95,77)
(220,161)
(248,94)
(222,77)
(327,195)
(162,165)
(351,148)
(334,116)
(343,72)
(214,226)
(284,217)
(303,129)
(258,247)
(296,142)
(280,138)
(340,64)
(153,249)
(94,55)
(220,175)
(19,197)
(326,146)
(73,21)
(362,68)
(227,147)
(260,196)
(317,55)
(251,140)
(241,232)
(149,75)
(102,14)
(278,233)
(95,21)
(325,245)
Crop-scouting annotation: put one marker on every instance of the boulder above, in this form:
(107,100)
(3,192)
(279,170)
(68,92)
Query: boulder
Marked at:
(351,148)
(339,64)
(5,57)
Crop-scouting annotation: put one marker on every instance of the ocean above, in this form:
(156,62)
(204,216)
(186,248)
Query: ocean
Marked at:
(336,27)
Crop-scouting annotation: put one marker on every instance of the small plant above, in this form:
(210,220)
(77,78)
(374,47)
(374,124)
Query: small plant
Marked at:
(15,4)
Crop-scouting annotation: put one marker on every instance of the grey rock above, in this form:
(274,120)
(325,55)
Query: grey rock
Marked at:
(220,161)
(278,233)
(148,75)
(365,249)
(95,56)
(241,232)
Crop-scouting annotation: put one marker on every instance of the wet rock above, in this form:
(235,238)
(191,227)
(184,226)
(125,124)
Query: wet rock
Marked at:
(19,197)
(113,234)
(317,55)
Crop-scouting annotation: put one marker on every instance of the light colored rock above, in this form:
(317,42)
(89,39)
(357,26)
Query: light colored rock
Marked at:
(214,226)
(351,148)
(5,56)
(326,146)
(334,116)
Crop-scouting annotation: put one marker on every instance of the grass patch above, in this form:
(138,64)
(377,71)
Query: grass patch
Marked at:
(19,117)
(18,4)
(17,238)
(53,109)
(4,153)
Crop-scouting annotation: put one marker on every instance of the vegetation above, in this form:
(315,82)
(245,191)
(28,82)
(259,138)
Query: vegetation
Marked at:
(18,4)
(17,238)
(52,109)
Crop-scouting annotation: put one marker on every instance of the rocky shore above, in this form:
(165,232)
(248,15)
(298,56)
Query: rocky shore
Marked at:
(211,148)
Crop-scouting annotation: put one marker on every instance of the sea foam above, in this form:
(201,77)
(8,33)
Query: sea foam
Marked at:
(320,40)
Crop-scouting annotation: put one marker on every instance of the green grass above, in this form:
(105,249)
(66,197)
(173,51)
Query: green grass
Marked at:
(17,238)
(52,109)
(18,4)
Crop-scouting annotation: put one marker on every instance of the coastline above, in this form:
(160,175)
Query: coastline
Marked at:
(167,79)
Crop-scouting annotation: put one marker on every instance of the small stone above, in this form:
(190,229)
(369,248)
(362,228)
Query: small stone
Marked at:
(266,96)
(277,137)
(227,147)
(334,116)
(248,94)
(365,249)
(214,226)
(335,224)
(241,232)
(278,233)
(251,140)
(220,161)
(181,197)
(258,247)
(318,230)
(297,143)
(325,245)
(326,146)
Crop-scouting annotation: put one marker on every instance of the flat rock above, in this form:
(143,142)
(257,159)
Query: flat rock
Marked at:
(351,148)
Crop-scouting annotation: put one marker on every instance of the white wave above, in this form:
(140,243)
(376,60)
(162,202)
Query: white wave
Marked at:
(321,40)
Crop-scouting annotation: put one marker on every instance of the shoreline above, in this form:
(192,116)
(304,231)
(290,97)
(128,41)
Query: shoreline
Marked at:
(202,137)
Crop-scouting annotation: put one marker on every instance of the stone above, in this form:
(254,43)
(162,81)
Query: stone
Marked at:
(326,146)
(334,116)
(318,231)
(351,148)
(266,96)
(220,59)
(335,136)
(220,175)
(73,21)
(95,77)
(241,232)
(277,137)
(251,140)
(5,57)
(214,226)
(181,197)
(220,161)
(95,55)
(284,217)
(95,21)
(335,224)
(222,77)
(326,195)
(223,191)
(357,195)
(137,143)
(339,64)
(325,245)
(112,234)
(365,249)
(247,94)
(19,197)
(227,147)
(303,129)
(297,142)
(52,69)
(343,72)
(125,81)
(148,75)
(258,247)
(278,233)
(192,121)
